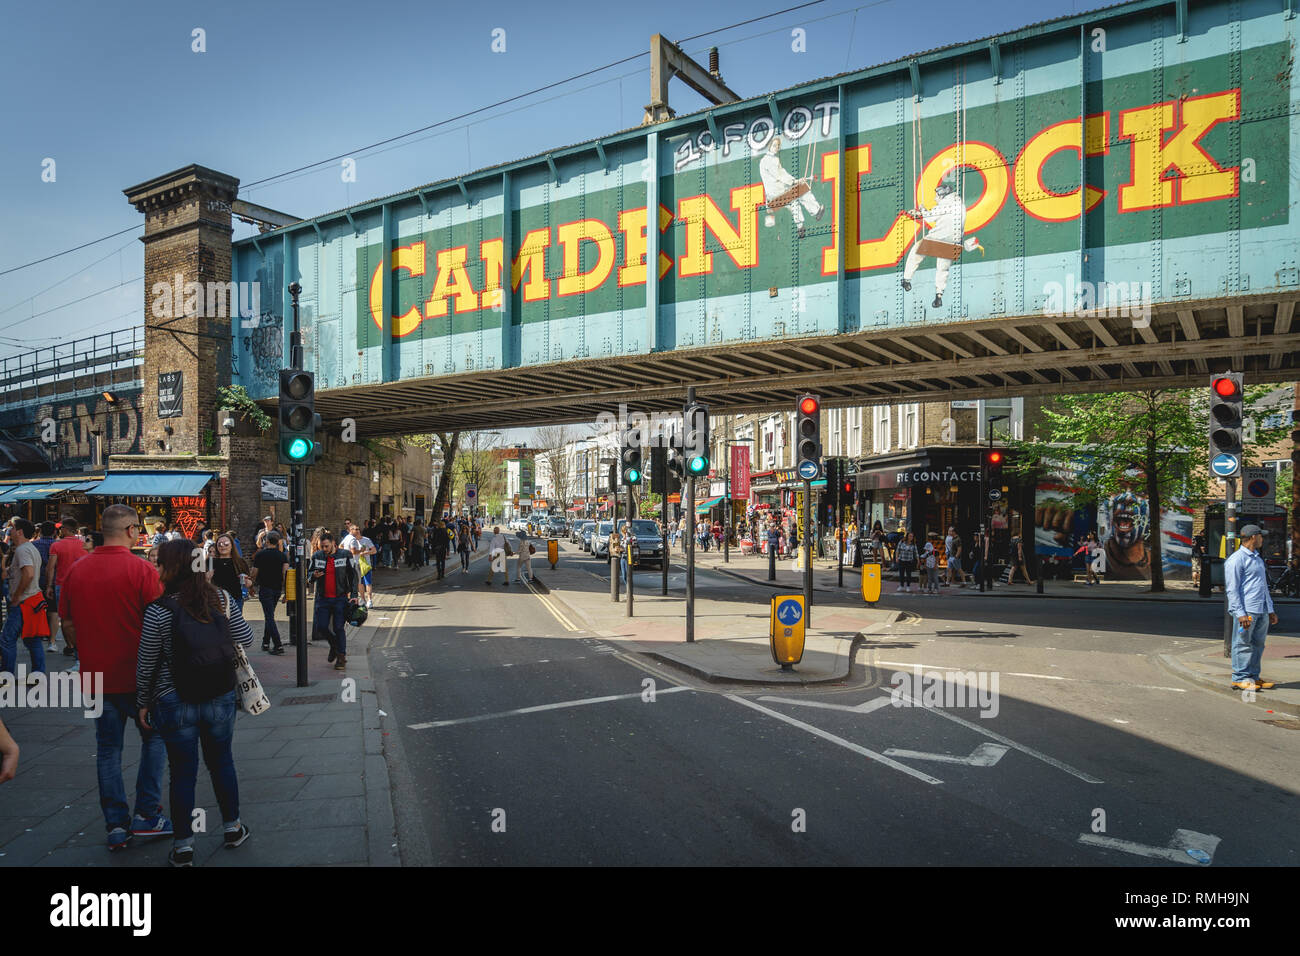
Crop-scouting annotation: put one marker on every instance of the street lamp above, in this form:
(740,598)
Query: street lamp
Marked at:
(726,533)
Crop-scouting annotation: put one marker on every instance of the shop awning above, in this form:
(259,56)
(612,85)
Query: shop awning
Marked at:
(706,505)
(41,490)
(161,483)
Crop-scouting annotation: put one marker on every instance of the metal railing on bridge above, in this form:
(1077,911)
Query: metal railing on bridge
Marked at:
(98,361)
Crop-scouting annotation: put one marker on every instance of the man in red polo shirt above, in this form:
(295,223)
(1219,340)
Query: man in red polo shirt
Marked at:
(64,553)
(102,604)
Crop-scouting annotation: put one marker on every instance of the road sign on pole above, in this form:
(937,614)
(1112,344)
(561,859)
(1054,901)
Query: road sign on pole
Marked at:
(1258,491)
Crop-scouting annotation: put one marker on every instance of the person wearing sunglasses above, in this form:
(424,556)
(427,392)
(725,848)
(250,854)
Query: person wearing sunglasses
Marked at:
(102,605)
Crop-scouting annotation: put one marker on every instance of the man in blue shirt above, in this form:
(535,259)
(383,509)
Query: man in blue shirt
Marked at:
(1249,603)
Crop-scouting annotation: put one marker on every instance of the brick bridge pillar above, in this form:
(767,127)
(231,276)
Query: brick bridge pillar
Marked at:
(187,327)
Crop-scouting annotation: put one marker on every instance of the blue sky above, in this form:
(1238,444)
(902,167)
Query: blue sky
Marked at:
(114,94)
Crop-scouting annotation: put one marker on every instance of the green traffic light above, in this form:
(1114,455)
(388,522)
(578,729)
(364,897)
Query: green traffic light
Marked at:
(633,476)
(698,465)
(298,449)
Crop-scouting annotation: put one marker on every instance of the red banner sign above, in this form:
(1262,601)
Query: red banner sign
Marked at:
(740,471)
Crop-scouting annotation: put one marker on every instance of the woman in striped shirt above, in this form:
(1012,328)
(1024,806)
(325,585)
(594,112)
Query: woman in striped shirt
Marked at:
(185,725)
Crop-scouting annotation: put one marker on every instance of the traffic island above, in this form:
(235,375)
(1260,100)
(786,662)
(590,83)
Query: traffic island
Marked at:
(827,657)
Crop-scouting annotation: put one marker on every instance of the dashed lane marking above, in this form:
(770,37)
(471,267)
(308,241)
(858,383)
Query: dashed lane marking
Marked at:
(540,708)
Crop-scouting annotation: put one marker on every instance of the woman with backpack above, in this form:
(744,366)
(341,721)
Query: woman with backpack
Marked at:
(185,680)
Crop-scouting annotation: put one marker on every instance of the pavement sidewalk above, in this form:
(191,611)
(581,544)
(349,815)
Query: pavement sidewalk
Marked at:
(754,569)
(313,784)
(731,634)
(1280,664)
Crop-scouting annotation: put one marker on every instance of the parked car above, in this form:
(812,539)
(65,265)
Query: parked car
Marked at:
(575,531)
(600,540)
(588,532)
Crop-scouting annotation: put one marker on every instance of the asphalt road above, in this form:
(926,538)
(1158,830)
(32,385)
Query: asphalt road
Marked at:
(522,742)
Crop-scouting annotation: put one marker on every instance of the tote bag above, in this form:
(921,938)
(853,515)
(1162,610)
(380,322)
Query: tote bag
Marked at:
(252,697)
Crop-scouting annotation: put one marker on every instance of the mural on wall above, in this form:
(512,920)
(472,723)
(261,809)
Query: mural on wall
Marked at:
(1123,526)
(1033,190)
(76,421)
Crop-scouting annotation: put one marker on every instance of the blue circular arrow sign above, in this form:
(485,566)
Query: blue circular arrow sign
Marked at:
(789,613)
(1225,465)
(808,469)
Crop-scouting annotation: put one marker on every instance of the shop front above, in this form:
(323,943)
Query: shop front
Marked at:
(930,490)
(52,498)
(180,498)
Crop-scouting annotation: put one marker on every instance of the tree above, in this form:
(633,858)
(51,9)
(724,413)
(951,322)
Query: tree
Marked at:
(444,445)
(1154,439)
(557,444)
(477,463)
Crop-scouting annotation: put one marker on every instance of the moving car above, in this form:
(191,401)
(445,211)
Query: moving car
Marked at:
(649,543)
(555,526)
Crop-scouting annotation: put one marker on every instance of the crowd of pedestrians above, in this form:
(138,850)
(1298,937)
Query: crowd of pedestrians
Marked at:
(159,634)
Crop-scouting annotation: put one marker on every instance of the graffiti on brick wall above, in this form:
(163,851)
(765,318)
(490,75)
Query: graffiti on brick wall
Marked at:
(263,342)
(77,420)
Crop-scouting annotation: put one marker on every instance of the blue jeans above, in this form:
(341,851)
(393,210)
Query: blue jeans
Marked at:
(269,599)
(329,620)
(109,730)
(1248,646)
(622,568)
(184,728)
(9,643)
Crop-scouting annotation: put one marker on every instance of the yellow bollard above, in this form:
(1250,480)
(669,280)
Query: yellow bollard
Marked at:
(786,633)
(553,552)
(871,583)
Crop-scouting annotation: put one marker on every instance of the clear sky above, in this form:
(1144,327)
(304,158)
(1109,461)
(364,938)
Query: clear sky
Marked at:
(114,94)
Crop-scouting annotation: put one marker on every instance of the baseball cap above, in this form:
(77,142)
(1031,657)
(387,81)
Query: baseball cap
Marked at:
(1250,531)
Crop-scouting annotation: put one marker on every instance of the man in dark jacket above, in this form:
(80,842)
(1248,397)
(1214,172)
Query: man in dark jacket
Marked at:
(334,577)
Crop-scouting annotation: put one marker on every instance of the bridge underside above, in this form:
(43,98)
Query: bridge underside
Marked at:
(1027,355)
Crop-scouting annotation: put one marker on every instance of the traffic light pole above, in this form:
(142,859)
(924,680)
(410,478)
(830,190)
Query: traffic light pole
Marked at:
(613,532)
(690,535)
(627,551)
(1230,532)
(807,553)
(298,507)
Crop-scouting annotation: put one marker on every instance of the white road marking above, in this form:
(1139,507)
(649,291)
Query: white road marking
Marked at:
(866,707)
(1082,680)
(539,708)
(849,745)
(984,732)
(984,755)
(1184,847)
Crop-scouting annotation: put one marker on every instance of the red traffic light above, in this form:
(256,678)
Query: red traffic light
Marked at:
(1225,387)
(995,457)
(848,487)
(808,405)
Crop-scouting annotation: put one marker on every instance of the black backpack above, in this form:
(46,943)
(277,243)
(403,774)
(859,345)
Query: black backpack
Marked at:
(203,655)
